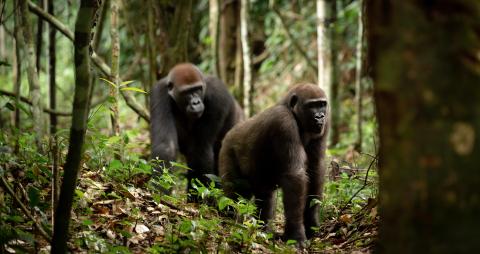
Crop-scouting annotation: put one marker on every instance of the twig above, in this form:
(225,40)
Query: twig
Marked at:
(295,43)
(47,110)
(97,60)
(361,188)
(39,227)
(356,239)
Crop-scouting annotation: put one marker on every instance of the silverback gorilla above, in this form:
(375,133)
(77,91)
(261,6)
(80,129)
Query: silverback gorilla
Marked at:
(284,146)
(191,113)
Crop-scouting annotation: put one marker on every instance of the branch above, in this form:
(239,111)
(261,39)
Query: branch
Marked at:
(97,60)
(29,102)
(51,19)
(295,43)
(361,188)
(47,110)
(39,227)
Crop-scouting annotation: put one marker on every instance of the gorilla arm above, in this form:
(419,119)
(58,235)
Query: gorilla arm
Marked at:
(164,141)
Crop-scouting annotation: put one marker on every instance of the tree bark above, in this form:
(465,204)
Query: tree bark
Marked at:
(151,47)
(229,41)
(114,76)
(52,65)
(34,85)
(40,39)
(322,46)
(83,88)
(358,80)
(247,67)
(97,37)
(213,24)
(178,36)
(17,77)
(427,102)
(335,109)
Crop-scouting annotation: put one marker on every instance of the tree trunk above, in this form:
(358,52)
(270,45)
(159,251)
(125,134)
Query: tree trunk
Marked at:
(52,65)
(114,76)
(17,77)
(97,37)
(83,88)
(335,109)
(152,49)
(424,58)
(213,26)
(326,11)
(358,80)
(322,46)
(178,36)
(229,41)
(247,67)
(3,50)
(34,85)
(40,39)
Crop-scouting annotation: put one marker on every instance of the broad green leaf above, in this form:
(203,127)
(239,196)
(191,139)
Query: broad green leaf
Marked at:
(109,82)
(132,89)
(223,202)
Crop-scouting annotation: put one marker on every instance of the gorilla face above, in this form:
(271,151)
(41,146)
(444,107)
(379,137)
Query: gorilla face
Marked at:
(311,114)
(189,98)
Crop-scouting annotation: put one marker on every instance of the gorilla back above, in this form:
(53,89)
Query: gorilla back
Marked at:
(190,114)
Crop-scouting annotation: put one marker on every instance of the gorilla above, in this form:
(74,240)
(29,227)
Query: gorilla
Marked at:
(191,113)
(282,147)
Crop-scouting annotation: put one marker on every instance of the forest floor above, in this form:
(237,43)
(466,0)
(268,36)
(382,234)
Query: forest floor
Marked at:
(117,210)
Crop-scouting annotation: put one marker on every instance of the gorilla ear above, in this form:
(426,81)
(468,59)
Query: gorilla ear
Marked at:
(169,85)
(293,100)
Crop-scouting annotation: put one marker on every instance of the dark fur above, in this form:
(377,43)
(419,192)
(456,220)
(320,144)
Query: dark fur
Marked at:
(273,150)
(198,140)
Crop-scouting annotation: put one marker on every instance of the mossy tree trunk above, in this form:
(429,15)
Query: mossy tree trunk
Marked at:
(424,56)
(83,88)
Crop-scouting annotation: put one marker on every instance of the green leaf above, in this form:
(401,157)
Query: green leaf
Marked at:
(109,82)
(34,196)
(87,222)
(186,227)
(115,164)
(223,202)
(124,83)
(291,242)
(132,89)
(179,165)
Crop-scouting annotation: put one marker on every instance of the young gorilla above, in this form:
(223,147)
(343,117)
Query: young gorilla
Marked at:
(284,146)
(191,113)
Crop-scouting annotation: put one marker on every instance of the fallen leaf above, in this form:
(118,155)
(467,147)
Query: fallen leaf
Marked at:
(140,229)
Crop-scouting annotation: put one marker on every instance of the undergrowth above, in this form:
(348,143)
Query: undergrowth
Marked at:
(120,208)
